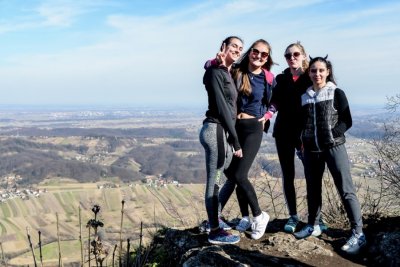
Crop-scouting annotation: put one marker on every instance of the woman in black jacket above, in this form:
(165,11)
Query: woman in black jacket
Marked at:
(291,84)
(218,124)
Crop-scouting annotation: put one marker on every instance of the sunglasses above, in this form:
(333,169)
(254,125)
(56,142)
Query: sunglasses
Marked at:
(295,54)
(256,52)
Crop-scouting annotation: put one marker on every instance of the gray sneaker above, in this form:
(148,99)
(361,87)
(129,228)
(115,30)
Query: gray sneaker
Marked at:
(221,237)
(307,231)
(244,224)
(354,243)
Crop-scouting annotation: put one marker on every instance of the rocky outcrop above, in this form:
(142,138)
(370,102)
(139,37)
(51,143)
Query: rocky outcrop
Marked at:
(190,248)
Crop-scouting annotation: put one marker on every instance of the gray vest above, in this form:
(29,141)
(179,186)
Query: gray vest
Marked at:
(320,118)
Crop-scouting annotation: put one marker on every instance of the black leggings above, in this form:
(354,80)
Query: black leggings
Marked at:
(250,132)
(286,150)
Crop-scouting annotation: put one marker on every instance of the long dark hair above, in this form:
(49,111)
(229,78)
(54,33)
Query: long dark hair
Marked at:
(228,40)
(328,64)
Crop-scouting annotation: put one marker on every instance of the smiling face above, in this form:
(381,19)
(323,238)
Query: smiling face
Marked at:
(258,56)
(233,50)
(294,57)
(318,74)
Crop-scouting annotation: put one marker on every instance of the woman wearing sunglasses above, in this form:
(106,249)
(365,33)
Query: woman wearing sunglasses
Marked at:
(220,123)
(255,83)
(326,117)
(291,84)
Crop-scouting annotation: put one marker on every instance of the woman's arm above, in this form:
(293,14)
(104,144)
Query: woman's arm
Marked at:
(344,116)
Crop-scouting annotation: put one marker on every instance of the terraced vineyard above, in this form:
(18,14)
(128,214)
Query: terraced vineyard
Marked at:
(168,206)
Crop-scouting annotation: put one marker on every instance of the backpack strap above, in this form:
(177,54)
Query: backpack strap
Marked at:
(269,76)
(270,82)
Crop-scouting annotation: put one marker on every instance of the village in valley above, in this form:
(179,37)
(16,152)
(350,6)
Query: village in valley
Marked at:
(364,165)
(10,189)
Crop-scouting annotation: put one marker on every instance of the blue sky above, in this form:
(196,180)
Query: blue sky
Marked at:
(97,52)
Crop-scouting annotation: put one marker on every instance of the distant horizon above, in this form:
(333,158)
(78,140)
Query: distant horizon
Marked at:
(152,53)
(110,107)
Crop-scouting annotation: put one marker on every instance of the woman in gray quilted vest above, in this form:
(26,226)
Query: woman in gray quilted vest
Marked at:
(327,117)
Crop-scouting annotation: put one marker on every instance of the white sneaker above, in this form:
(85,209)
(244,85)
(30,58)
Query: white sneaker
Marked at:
(354,243)
(307,231)
(244,224)
(259,225)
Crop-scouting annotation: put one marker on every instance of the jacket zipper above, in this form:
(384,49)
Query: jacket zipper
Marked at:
(315,126)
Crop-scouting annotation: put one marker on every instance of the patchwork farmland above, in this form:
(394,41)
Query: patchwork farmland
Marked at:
(168,206)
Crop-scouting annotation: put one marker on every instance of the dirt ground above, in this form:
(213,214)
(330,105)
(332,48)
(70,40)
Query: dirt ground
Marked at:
(277,248)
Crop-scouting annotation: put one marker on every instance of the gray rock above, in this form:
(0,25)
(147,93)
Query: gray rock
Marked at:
(208,257)
(387,248)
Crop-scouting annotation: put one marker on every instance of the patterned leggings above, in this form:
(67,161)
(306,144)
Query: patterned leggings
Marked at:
(218,156)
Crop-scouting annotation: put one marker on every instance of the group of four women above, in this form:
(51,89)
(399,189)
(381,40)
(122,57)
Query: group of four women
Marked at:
(312,116)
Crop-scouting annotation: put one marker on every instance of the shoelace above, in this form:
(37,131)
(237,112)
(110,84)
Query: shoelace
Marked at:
(243,224)
(292,221)
(307,229)
(353,240)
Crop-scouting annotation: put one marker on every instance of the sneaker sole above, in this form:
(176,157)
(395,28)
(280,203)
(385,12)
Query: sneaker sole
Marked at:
(242,230)
(222,243)
(312,234)
(289,229)
(316,234)
(354,252)
(301,237)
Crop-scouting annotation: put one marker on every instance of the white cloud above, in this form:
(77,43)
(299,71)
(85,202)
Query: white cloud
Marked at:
(55,15)
(158,59)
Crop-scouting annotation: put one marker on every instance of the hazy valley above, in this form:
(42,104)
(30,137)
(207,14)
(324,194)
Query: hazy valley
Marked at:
(53,162)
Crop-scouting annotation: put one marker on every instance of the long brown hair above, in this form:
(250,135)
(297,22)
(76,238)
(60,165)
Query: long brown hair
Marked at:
(241,72)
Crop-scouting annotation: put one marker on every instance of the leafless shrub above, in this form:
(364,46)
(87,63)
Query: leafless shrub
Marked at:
(31,246)
(120,232)
(3,260)
(60,261)
(272,190)
(393,103)
(372,198)
(388,151)
(332,210)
